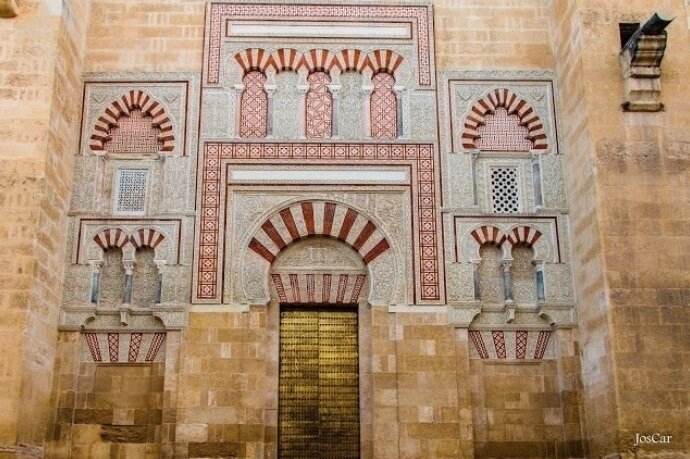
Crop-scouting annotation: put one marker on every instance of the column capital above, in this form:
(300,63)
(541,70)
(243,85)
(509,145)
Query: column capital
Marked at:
(129,266)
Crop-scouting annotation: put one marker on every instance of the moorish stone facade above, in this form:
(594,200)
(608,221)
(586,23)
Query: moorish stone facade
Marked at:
(330,229)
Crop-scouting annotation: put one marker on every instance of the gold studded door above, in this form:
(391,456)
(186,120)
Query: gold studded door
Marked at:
(319,384)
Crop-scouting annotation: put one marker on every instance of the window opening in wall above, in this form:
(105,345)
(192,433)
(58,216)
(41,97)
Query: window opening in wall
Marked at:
(254,106)
(505,195)
(626,30)
(384,107)
(131,191)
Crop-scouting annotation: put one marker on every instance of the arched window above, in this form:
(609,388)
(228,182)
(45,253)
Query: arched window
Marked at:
(145,279)
(384,107)
(254,105)
(112,278)
(319,106)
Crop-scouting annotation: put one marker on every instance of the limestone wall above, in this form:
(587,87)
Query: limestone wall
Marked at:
(627,178)
(40,54)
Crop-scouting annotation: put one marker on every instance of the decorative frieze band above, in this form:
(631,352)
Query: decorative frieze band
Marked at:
(511,344)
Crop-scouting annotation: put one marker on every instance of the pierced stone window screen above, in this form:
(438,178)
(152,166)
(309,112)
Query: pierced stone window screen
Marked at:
(134,134)
(131,191)
(319,111)
(254,106)
(505,190)
(384,107)
(503,132)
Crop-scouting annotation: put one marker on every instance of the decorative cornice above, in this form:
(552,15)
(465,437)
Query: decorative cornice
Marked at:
(125,318)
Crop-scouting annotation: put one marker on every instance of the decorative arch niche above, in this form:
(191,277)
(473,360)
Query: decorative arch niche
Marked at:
(134,123)
(328,221)
(502,121)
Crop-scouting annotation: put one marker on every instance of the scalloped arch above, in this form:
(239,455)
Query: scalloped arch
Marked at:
(123,106)
(514,105)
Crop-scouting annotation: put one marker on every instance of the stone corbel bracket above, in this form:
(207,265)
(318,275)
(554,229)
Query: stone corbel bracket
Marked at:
(640,59)
(9,8)
(462,317)
(124,318)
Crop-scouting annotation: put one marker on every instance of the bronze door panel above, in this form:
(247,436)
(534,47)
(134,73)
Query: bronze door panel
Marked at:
(319,384)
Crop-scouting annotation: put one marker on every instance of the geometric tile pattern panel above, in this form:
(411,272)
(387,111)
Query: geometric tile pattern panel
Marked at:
(512,344)
(122,347)
(254,106)
(503,132)
(133,134)
(319,106)
(384,107)
(212,183)
(331,288)
(420,16)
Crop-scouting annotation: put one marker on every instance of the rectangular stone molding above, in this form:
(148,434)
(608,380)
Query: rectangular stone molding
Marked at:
(214,178)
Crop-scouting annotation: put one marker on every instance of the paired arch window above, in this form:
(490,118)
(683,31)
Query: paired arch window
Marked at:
(128,272)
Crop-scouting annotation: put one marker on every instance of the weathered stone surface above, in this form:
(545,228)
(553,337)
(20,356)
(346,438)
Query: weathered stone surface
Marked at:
(124,434)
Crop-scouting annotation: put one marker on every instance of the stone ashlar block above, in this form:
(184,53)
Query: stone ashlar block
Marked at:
(124,434)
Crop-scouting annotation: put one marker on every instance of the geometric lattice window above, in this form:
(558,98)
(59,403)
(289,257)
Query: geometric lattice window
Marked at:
(131,191)
(505,195)
(319,106)
(384,107)
(502,132)
(254,106)
(134,134)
